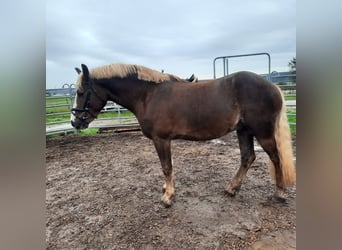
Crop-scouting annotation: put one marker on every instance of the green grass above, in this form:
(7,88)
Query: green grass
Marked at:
(51,110)
(57,118)
(290,98)
(292,119)
(88,131)
(57,101)
(57,109)
(66,117)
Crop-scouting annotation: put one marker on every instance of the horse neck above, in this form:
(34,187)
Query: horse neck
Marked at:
(129,93)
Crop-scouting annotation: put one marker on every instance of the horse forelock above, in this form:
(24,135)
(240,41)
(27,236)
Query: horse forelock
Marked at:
(131,71)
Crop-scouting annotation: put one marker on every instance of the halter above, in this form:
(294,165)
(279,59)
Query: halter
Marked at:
(85,108)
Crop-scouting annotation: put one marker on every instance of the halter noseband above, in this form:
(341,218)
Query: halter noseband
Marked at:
(85,108)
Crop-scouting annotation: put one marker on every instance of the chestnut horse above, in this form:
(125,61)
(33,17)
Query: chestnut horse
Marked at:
(168,108)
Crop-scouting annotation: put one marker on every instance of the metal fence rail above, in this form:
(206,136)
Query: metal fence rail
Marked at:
(59,103)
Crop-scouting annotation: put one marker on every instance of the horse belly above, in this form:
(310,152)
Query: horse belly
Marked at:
(193,113)
(205,127)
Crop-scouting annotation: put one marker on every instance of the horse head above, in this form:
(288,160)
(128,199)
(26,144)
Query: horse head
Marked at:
(88,100)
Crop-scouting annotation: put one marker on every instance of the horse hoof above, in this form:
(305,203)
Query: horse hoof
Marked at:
(278,199)
(166,203)
(232,191)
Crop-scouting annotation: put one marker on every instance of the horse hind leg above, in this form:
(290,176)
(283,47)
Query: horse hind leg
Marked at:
(277,144)
(247,158)
(270,147)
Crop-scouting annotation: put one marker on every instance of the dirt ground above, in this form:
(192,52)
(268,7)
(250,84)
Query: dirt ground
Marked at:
(103,192)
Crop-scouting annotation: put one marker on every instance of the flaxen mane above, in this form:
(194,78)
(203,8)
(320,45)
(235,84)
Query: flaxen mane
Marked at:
(135,71)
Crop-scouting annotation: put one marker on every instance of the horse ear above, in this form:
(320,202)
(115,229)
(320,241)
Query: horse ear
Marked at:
(78,70)
(85,72)
(191,78)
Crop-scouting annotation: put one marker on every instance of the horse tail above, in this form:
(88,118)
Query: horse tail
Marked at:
(282,137)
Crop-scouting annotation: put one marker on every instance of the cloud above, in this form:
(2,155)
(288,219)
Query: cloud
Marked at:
(178,36)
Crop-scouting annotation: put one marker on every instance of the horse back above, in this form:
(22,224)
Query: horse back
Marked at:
(207,110)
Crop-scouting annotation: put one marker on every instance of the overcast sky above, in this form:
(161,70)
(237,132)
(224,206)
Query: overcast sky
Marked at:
(181,37)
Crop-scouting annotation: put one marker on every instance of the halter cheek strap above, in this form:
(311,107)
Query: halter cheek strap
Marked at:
(85,108)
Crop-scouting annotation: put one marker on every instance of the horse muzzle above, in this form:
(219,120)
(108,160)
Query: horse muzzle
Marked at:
(79,124)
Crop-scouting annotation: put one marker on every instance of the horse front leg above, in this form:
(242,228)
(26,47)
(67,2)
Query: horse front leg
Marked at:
(163,148)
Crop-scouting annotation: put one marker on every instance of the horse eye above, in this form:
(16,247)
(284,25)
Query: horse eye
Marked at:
(80,94)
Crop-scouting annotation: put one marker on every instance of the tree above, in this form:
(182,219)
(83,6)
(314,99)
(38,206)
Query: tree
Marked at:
(292,65)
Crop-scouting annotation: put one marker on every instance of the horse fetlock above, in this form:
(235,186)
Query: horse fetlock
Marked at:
(164,188)
(168,192)
(169,186)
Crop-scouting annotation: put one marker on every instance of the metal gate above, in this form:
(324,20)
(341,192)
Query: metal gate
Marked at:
(225,60)
(285,80)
